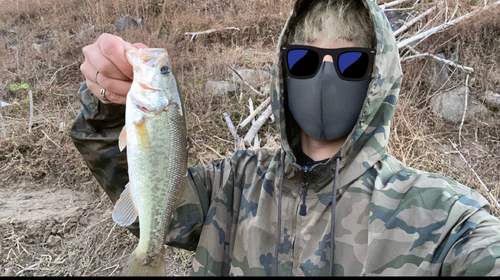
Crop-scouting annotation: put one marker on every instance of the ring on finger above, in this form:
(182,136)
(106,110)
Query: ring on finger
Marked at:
(103,92)
(96,73)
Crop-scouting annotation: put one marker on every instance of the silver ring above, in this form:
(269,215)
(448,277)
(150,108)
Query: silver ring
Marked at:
(96,73)
(103,91)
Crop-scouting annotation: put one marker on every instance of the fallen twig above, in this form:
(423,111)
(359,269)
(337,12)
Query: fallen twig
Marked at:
(481,181)
(4,132)
(431,31)
(31,267)
(256,142)
(213,150)
(255,112)
(194,34)
(230,125)
(390,4)
(257,125)
(51,139)
(30,122)
(465,109)
(413,21)
(238,74)
(449,62)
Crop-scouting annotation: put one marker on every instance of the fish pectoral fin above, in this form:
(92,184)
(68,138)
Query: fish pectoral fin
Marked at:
(122,139)
(125,211)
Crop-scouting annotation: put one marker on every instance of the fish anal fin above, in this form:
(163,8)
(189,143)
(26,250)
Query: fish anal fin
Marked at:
(122,139)
(125,211)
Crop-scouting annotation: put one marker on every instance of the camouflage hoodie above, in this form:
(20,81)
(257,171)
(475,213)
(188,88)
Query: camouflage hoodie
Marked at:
(241,215)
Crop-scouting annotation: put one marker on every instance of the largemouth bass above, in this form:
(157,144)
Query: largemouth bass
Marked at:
(155,137)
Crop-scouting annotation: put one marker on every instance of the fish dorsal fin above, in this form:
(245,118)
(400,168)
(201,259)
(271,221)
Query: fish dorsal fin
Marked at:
(122,139)
(125,211)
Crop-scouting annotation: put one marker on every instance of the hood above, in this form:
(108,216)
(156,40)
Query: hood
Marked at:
(366,144)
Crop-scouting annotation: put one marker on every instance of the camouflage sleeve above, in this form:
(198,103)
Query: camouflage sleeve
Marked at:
(473,247)
(95,134)
(188,220)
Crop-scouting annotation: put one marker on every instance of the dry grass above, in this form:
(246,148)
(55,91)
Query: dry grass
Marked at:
(47,157)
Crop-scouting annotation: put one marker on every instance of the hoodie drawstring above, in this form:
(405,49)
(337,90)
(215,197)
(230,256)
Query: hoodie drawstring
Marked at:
(334,204)
(278,230)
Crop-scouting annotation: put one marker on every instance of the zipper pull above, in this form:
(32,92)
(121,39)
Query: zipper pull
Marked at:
(303,206)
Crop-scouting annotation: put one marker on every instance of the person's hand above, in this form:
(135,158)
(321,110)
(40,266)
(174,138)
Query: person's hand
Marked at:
(106,69)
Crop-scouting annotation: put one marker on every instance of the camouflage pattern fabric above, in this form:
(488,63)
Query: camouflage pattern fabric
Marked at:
(390,219)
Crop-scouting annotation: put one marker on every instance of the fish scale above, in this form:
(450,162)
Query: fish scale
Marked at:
(155,136)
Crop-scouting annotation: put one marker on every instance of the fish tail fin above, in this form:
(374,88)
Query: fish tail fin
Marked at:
(135,266)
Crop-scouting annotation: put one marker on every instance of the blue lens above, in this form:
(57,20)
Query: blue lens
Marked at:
(302,62)
(353,65)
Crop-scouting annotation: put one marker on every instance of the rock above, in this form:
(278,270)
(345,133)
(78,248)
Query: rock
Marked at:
(251,76)
(4,32)
(8,272)
(450,106)
(126,21)
(43,45)
(491,99)
(53,240)
(436,73)
(396,19)
(219,88)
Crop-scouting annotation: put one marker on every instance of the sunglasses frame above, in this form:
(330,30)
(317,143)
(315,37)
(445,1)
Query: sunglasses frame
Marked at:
(335,53)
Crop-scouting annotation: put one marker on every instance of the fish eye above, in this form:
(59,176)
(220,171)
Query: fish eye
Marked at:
(165,70)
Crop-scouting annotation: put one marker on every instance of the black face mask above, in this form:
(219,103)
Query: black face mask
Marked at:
(325,106)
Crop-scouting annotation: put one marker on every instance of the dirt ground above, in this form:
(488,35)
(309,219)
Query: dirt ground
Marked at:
(55,220)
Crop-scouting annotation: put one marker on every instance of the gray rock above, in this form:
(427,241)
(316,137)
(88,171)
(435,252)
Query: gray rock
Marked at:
(450,106)
(491,99)
(4,32)
(43,45)
(11,44)
(9,271)
(251,76)
(126,21)
(53,240)
(396,19)
(436,73)
(220,88)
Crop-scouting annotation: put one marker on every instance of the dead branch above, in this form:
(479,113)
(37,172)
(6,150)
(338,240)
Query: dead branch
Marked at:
(465,109)
(393,3)
(443,26)
(449,62)
(258,124)
(194,34)
(30,122)
(230,126)
(256,141)
(2,124)
(238,74)
(51,140)
(255,112)
(413,21)
(477,176)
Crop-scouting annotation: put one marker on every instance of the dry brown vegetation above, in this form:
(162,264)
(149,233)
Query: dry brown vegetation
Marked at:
(42,171)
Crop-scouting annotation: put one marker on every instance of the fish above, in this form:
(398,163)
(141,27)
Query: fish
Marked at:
(155,137)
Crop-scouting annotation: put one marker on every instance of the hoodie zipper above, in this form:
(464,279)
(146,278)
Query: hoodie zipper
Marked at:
(305,186)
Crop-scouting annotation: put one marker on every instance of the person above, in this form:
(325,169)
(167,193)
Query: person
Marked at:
(335,82)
